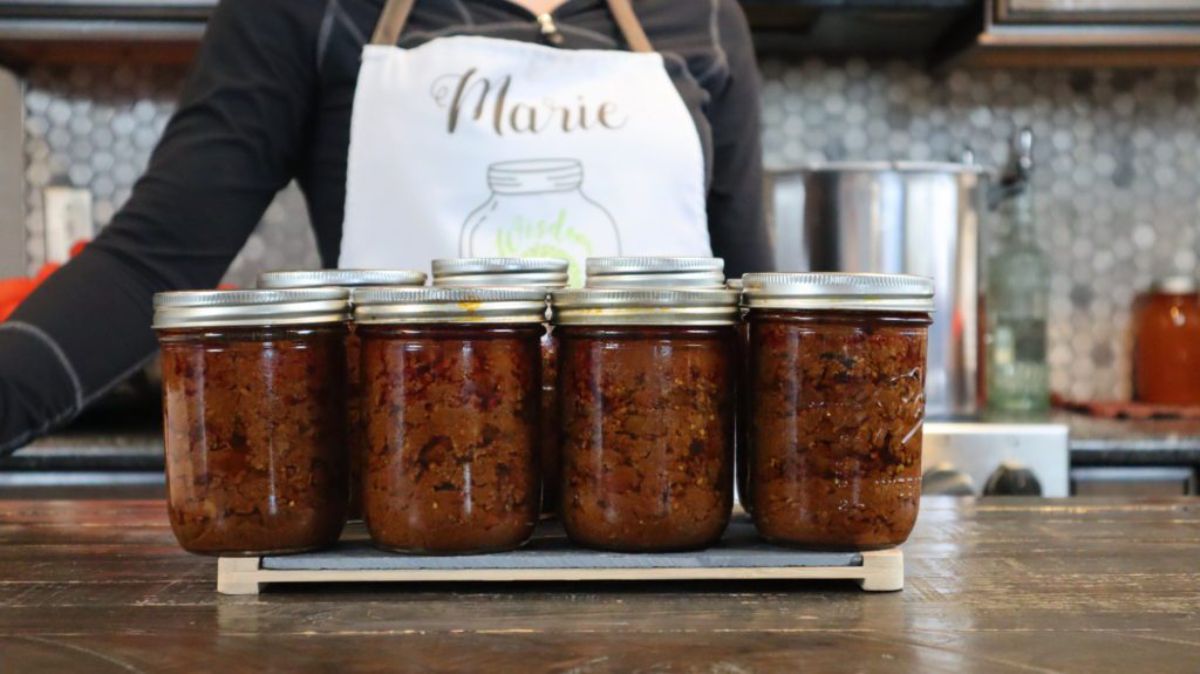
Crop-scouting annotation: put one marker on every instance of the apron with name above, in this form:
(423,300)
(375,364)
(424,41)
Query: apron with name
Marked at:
(478,147)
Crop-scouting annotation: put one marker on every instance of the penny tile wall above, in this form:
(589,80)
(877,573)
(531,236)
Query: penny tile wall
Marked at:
(94,127)
(1118,155)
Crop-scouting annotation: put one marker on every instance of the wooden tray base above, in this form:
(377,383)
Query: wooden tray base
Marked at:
(549,557)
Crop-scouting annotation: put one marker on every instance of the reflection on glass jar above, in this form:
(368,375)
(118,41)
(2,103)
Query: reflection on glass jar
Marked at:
(835,407)
(538,208)
(254,419)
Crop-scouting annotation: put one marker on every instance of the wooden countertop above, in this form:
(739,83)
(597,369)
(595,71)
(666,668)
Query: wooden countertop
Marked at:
(993,586)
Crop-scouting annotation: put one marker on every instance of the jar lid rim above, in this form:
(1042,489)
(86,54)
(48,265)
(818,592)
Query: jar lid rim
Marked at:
(432,304)
(839,290)
(603,266)
(307,278)
(251,307)
(644,306)
(247,296)
(1176,284)
(497,265)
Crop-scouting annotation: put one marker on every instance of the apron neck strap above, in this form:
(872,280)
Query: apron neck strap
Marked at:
(391,22)
(395,16)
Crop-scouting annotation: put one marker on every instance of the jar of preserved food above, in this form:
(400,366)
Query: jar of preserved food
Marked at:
(655,272)
(646,397)
(835,406)
(254,418)
(451,379)
(525,272)
(1166,362)
(349,279)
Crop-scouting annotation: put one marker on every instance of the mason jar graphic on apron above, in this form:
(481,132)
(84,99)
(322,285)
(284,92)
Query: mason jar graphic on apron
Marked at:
(538,208)
(482,147)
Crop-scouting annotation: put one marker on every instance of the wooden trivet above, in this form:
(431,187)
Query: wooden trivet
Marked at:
(549,557)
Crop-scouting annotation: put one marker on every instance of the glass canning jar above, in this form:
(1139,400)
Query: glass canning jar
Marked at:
(835,406)
(451,379)
(646,380)
(349,279)
(1166,352)
(525,272)
(254,418)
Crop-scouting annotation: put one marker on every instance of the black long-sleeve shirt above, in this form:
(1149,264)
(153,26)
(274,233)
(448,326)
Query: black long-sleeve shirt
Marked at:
(269,100)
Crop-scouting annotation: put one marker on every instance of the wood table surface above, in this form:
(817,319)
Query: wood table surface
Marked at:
(992,586)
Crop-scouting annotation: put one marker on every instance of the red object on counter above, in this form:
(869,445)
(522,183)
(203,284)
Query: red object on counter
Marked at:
(1166,352)
(13,291)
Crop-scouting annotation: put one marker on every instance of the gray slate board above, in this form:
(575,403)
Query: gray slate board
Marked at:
(549,549)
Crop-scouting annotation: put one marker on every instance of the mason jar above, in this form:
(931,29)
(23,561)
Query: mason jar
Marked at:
(1166,345)
(835,406)
(655,272)
(451,381)
(646,399)
(349,279)
(526,272)
(254,418)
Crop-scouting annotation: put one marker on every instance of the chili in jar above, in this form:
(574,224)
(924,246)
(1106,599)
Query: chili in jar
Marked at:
(451,381)
(254,418)
(646,398)
(835,406)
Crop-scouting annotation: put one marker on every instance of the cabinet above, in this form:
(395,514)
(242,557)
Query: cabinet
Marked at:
(1087,33)
(1097,11)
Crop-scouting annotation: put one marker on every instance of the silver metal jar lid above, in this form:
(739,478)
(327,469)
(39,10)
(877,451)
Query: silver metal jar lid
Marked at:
(655,272)
(232,308)
(839,291)
(735,284)
(449,305)
(644,306)
(537,272)
(345,278)
(1180,284)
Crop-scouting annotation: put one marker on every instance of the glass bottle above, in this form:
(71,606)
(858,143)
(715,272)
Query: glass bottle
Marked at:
(1018,283)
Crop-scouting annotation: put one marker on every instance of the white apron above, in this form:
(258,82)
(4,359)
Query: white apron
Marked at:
(476,147)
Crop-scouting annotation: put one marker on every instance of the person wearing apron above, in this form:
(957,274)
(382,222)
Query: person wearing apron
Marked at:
(417,129)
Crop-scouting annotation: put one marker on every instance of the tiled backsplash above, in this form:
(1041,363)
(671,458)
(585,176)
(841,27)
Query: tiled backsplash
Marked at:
(95,127)
(1117,173)
(1118,158)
